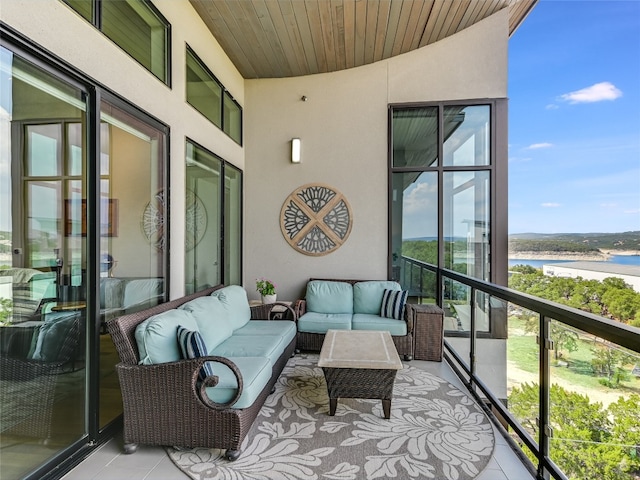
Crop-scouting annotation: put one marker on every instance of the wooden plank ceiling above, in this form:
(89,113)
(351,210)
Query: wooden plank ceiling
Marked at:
(286,38)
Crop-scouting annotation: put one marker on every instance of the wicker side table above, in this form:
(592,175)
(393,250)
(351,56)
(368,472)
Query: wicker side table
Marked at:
(428,332)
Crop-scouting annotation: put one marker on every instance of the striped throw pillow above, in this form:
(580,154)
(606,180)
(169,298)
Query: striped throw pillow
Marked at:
(393,302)
(192,346)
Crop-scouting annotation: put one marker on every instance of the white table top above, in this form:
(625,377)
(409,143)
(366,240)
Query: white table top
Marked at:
(359,349)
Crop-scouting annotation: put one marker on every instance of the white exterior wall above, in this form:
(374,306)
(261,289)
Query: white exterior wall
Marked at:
(343,128)
(59,29)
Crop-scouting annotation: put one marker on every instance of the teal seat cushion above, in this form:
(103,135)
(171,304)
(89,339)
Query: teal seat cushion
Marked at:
(312,322)
(212,318)
(256,373)
(268,346)
(156,336)
(329,297)
(365,321)
(367,296)
(282,328)
(235,301)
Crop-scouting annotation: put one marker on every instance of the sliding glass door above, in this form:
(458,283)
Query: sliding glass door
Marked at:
(82,240)
(43,315)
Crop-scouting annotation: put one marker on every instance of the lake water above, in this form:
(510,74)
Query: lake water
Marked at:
(619,259)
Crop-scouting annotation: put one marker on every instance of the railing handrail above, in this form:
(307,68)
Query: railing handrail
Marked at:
(607,329)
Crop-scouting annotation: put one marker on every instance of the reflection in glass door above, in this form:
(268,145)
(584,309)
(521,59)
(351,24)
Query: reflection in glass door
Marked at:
(42,265)
(203,227)
(132,233)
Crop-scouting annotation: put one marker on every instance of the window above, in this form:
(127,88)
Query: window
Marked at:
(207,95)
(440,192)
(204,92)
(136,26)
(213,221)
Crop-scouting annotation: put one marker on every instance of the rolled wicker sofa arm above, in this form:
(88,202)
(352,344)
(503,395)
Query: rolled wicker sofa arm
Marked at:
(173,385)
(300,307)
(409,316)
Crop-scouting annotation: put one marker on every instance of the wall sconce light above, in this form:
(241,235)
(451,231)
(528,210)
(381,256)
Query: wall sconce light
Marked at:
(295,150)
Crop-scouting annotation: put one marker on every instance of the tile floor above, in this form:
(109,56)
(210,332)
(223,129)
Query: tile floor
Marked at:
(152,463)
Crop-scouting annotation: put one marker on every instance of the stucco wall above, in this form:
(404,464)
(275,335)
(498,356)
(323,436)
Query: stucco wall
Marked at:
(343,128)
(57,28)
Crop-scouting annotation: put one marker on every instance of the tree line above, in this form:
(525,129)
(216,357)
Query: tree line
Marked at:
(611,297)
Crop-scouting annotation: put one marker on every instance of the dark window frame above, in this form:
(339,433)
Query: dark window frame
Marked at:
(224,94)
(498,180)
(96,21)
(224,164)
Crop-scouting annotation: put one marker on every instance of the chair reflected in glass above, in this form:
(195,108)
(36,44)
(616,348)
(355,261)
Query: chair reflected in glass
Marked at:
(35,347)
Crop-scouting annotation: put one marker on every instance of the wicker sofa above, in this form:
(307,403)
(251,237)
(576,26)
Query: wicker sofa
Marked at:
(165,402)
(319,311)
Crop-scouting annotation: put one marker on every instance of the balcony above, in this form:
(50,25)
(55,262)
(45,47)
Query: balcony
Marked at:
(478,356)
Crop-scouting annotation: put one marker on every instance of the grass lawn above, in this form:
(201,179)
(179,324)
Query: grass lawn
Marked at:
(523,351)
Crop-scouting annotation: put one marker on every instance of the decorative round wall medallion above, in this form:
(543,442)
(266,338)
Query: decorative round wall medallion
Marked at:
(153,220)
(196,220)
(316,219)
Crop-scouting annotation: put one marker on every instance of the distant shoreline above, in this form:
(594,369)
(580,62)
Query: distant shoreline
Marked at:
(602,256)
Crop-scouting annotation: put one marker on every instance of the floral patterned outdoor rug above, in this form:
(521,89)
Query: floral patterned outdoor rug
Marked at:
(435,431)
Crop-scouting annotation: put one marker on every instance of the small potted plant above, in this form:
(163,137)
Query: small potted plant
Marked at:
(267,290)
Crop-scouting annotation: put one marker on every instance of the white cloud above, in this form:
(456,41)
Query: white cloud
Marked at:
(635,211)
(608,205)
(519,159)
(550,205)
(552,106)
(420,198)
(536,146)
(595,93)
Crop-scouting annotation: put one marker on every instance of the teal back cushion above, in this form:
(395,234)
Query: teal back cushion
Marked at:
(52,335)
(157,336)
(235,301)
(367,296)
(329,297)
(212,319)
(111,292)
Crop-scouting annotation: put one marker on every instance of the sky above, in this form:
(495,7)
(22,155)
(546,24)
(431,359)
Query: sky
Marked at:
(574,118)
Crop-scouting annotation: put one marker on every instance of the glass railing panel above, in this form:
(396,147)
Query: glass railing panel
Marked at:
(457,300)
(491,350)
(523,372)
(594,406)
(457,306)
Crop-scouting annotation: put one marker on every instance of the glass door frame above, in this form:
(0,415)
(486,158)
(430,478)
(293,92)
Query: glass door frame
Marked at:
(94,93)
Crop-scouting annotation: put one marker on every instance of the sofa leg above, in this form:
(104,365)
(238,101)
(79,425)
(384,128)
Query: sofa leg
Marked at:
(408,358)
(232,455)
(130,448)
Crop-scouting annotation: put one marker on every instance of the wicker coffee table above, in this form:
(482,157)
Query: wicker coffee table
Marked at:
(359,364)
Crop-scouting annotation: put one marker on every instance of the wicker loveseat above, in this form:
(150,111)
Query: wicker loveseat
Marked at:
(164,400)
(322,312)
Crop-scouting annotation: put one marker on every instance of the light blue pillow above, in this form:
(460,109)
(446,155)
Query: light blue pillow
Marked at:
(156,336)
(393,304)
(212,318)
(367,296)
(192,346)
(329,297)
(235,301)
